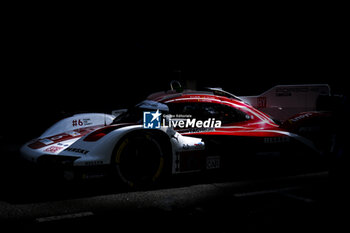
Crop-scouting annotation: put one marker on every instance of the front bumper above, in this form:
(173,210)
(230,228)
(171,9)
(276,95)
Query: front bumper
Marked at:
(62,167)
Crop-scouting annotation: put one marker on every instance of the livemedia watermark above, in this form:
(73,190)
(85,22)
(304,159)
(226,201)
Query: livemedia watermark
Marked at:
(154,120)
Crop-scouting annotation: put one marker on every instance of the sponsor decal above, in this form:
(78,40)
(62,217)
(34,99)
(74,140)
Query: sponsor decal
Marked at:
(77,150)
(93,163)
(81,122)
(46,141)
(196,146)
(261,102)
(213,162)
(53,149)
(73,133)
(288,91)
(300,117)
(272,140)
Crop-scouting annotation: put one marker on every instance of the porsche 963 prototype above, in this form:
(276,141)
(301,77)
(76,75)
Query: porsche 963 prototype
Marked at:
(176,132)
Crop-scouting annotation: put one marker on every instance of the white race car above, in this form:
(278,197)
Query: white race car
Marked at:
(199,131)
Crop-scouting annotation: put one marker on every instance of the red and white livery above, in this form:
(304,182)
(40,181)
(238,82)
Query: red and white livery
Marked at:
(201,131)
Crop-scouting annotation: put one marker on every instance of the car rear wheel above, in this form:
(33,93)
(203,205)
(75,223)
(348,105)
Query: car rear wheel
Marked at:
(139,160)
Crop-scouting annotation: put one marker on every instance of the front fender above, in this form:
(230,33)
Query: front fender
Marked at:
(97,152)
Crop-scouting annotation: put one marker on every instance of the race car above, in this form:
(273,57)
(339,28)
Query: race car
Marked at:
(186,131)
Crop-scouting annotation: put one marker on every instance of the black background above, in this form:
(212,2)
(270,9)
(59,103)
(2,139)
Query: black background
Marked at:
(62,59)
(58,64)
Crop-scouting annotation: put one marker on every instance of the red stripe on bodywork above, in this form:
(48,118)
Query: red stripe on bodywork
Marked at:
(42,142)
(77,133)
(249,133)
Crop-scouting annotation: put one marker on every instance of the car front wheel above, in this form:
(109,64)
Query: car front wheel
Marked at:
(138,160)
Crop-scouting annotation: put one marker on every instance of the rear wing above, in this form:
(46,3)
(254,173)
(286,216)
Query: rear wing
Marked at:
(283,101)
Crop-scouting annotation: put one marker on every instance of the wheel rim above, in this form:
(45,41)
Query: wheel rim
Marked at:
(139,160)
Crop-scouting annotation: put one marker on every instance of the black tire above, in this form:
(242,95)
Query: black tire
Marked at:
(139,160)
